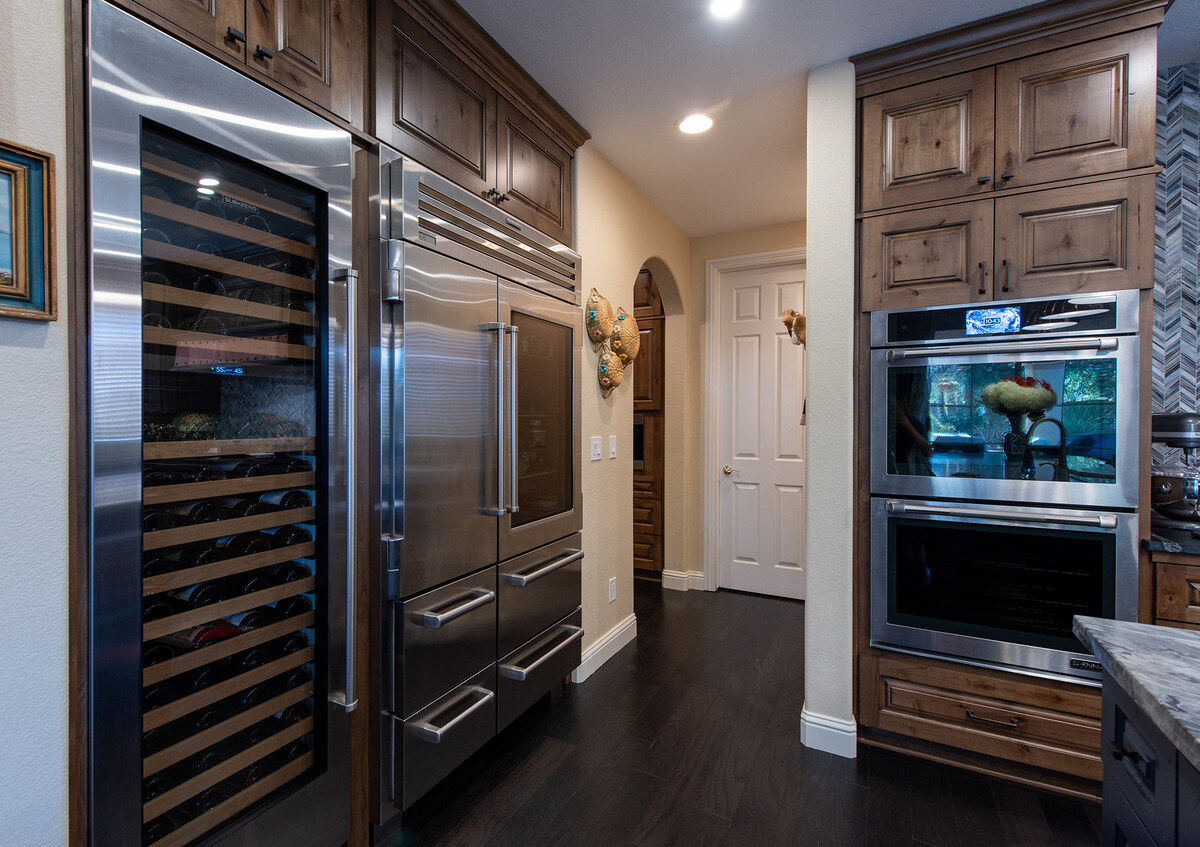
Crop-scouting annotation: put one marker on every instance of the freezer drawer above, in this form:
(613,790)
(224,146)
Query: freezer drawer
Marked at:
(537,590)
(530,671)
(446,635)
(438,739)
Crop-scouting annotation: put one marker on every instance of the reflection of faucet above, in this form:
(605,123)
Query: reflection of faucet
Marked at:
(1060,467)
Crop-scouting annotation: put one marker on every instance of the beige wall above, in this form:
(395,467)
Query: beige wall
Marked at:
(617,230)
(33,467)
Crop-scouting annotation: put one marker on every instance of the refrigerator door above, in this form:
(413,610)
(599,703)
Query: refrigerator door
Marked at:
(220,233)
(541,430)
(451,355)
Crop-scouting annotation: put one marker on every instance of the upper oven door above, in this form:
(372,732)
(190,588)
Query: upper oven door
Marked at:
(946,421)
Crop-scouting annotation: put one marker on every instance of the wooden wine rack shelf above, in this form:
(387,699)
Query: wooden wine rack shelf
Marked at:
(156,494)
(215,611)
(230,447)
(152,249)
(242,720)
(230,526)
(169,800)
(166,167)
(227,567)
(222,649)
(243,799)
(200,220)
(208,696)
(229,305)
(223,344)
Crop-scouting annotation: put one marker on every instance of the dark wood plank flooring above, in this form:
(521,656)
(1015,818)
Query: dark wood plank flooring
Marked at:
(691,736)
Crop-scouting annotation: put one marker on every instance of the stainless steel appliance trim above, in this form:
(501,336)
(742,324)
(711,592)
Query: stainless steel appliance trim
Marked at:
(433,733)
(1126,323)
(994,666)
(435,620)
(347,698)
(896,507)
(499,328)
(514,506)
(520,580)
(519,672)
(1002,653)
(996,349)
(1122,494)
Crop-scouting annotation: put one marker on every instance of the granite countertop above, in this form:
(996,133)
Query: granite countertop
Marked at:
(1159,667)
(1173,541)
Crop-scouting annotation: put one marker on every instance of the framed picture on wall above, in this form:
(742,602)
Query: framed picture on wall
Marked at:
(26,233)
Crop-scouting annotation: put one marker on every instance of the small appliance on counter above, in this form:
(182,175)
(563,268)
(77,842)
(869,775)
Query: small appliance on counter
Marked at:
(1175,486)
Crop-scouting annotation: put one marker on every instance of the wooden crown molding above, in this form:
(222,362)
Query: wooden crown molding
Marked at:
(999,31)
(471,43)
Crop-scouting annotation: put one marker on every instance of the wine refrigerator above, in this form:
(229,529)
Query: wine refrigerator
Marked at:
(221,675)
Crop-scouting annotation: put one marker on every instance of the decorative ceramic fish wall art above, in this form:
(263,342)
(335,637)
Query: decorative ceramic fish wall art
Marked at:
(599,318)
(625,340)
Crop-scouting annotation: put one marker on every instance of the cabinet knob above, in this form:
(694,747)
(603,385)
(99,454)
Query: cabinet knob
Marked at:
(983,180)
(1007,175)
(261,52)
(235,35)
(1120,753)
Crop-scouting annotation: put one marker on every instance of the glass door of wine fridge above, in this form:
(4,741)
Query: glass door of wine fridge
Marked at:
(220,673)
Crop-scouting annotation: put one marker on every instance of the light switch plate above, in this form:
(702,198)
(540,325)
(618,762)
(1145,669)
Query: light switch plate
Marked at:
(595,448)
(612,590)
(612,447)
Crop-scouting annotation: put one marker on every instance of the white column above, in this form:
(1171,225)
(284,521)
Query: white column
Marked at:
(828,717)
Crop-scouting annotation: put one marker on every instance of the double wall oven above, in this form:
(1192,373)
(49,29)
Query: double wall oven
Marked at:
(1004,477)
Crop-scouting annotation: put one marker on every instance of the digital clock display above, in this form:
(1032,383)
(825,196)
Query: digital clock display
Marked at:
(228,370)
(1000,321)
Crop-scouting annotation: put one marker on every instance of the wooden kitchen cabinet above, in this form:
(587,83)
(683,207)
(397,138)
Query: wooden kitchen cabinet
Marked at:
(1177,594)
(648,367)
(533,173)
(215,23)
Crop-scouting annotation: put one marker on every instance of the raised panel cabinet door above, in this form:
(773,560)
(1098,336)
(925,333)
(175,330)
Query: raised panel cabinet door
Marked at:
(430,105)
(930,257)
(928,141)
(314,48)
(1178,596)
(216,23)
(533,173)
(1078,111)
(648,367)
(1095,237)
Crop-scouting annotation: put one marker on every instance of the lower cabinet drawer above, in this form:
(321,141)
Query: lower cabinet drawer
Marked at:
(1121,827)
(1140,761)
(647,516)
(536,590)
(439,738)
(531,670)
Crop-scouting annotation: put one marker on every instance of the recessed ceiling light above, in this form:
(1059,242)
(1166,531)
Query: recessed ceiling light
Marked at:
(209,181)
(724,9)
(693,124)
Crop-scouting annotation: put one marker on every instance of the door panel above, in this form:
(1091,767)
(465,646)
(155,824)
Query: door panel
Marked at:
(1078,111)
(208,20)
(761,439)
(450,435)
(930,257)
(301,34)
(648,366)
(533,173)
(930,141)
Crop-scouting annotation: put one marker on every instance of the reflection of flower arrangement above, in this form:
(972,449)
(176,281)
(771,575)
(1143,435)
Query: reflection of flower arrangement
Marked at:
(1019,394)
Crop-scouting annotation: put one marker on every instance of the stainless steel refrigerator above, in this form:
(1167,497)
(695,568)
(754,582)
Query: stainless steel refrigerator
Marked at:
(477,336)
(220,672)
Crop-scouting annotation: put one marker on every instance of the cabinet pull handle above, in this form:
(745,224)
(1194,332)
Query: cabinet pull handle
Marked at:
(1005,287)
(1119,753)
(470,602)
(521,673)
(434,733)
(261,52)
(983,277)
(983,180)
(1011,723)
(1007,175)
(235,35)
(520,580)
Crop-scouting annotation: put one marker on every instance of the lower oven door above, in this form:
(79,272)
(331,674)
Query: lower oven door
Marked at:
(998,584)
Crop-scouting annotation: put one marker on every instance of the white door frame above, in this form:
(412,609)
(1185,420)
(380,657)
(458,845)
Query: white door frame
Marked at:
(714,268)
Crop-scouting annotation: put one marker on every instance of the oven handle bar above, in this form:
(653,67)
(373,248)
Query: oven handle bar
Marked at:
(1102,521)
(1015,347)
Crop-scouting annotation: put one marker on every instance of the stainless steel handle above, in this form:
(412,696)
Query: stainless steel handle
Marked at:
(1013,347)
(434,620)
(348,697)
(522,579)
(1102,521)
(1011,723)
(521,673)
(499,329)
(431,732)
(514,506)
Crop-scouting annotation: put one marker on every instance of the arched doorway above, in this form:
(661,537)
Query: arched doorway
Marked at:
(648,443)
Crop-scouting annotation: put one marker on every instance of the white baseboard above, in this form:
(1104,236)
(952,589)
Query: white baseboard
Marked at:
(832,735)
(683,580)
(605,648)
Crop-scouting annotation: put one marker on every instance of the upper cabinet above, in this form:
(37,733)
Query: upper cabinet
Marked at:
(312,49)
(1079,111)
(450,98)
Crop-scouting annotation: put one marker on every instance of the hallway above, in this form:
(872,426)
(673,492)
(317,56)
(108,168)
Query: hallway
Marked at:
(691,736)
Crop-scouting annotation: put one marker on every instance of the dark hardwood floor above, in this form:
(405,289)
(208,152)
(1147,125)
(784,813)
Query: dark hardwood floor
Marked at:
(691,736)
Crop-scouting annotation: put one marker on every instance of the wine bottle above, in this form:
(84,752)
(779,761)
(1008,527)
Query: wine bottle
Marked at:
(257,772)
(208,717)
(244,544)
(297,301)
(160,606)
(156,319)
(255,221)
(156,785)
(156,192)
(157,566)
(210,674)
(203,511)
(294,498)
(295,678)
(158,695)
(208,323)
(208,284)
(201,594)
(155,652)
(253,696)
(152,476)
(159,739)
(210,798)
(164,825)
(199,553)
(248,660)
(155,520)
(249,582)
(150,233)
(199,637)
(286,536)
(290,607)
(296,712)
(254,619)
(291,464)
(247,468)
(290,572)
(264,295)
(293,643)
(291,752)
(259,732)
(246,507)
(205,206)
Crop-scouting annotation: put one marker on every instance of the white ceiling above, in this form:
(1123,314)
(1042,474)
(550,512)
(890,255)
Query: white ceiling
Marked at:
(628,69)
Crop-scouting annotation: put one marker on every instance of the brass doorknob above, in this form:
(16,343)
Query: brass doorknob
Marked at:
(727,470)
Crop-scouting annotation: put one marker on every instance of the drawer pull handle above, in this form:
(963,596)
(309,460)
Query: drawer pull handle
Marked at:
(522,579)
(1011,723)
(520,674)
(1119,753)
(431,732)
(435,620)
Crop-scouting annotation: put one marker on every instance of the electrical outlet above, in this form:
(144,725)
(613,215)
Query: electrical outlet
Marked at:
(612,590)
(612,447)
(595,448)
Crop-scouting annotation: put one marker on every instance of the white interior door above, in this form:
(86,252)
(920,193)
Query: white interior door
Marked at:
(760,437)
